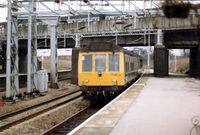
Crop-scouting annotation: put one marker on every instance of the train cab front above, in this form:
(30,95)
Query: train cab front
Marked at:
(100,72)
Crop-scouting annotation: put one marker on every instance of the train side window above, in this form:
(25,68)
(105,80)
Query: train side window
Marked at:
(114,62)
(87,63)
(100,62)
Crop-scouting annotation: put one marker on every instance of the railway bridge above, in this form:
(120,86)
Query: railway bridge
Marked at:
(123,31)
(79,26)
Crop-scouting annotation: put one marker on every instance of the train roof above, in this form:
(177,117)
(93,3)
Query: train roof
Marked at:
(106,47)
(101,47)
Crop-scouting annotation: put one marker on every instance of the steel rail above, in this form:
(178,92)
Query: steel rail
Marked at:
(62,127)
(6,126)
(61,124)
(37,105)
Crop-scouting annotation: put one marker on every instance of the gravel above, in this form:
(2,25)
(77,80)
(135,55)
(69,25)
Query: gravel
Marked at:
(47,120)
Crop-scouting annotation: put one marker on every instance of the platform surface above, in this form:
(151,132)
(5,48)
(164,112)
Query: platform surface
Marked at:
(153,106)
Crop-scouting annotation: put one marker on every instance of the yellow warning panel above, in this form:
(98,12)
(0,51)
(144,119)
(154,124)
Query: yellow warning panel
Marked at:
(1,67)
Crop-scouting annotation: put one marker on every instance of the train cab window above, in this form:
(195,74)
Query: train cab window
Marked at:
(87,63)
(114,62)
(100,62)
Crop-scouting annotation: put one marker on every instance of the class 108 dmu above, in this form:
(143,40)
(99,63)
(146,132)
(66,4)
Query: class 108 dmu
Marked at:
(103,69)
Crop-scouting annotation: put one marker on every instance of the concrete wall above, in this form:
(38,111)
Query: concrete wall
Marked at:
(23,64)
(75,54)
(195,62)
(160,61)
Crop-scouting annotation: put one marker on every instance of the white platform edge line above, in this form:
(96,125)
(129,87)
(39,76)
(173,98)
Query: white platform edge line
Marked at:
(86,121)
(140,84)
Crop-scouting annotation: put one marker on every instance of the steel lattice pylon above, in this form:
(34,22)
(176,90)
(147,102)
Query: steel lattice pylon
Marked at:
(12,77)
(32,51)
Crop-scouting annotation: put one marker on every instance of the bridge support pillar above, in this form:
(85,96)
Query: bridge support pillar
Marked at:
(12,58)
(160,61)
(32,52)
(195,62)
(54,72)
(53,22)
(75,54)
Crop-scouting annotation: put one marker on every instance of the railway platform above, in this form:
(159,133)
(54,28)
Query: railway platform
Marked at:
(151,106)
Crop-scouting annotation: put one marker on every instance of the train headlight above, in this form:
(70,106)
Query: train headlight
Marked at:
(114,80)
(86,80)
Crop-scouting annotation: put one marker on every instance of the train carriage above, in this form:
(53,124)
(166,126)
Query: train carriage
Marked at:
(2,62)
(104,69)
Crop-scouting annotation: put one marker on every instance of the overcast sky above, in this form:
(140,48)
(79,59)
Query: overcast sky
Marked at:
(140,4)
(56,6)
(3,16)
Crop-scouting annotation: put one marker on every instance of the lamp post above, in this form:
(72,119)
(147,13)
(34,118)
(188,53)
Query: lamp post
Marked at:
(175,62)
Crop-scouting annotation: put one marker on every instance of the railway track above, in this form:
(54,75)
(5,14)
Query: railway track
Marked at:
(63,127)
(74,121)
(69,124)
(53,103)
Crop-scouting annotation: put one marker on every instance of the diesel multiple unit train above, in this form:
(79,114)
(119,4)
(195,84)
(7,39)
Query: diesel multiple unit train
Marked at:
(104,69)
